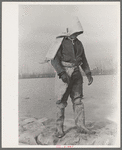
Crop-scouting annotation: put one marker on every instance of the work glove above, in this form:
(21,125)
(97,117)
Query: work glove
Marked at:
(90,78)
(65,78)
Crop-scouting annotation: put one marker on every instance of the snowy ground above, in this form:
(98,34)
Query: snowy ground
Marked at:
(37,100)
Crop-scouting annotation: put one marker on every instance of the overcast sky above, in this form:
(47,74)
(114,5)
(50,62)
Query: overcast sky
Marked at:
(40,24)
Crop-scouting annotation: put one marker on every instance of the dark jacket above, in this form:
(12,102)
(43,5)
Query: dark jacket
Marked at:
(72,54)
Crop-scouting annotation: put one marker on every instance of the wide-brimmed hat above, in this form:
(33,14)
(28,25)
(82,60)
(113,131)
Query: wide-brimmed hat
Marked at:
(72,26)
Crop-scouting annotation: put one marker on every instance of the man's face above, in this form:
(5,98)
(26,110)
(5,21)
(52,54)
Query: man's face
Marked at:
(74,35)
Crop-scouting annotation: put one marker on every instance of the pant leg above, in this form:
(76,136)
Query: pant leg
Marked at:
(77,86)
(76,95)
(62,90)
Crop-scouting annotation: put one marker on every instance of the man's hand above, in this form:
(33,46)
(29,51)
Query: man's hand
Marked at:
(65,78)
(90,78)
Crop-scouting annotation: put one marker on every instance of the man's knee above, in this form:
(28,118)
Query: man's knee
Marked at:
(61,104)
(78,101)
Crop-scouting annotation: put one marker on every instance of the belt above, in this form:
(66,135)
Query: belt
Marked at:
(69,65)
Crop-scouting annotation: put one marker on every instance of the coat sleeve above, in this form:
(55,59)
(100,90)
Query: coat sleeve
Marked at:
(56,62)
(85,65)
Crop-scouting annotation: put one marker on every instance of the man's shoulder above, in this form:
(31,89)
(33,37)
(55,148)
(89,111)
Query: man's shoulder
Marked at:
(78,41)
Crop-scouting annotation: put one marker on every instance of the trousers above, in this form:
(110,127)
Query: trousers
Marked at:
(74,89)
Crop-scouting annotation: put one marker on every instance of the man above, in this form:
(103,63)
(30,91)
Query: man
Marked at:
(69,81)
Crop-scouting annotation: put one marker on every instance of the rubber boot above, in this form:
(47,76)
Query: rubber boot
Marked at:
(80,119)
(59,122)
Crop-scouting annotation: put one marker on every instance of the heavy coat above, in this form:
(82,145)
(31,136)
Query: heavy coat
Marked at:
(68,52)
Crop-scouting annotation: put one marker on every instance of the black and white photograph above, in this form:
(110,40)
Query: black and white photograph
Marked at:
(67,73)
